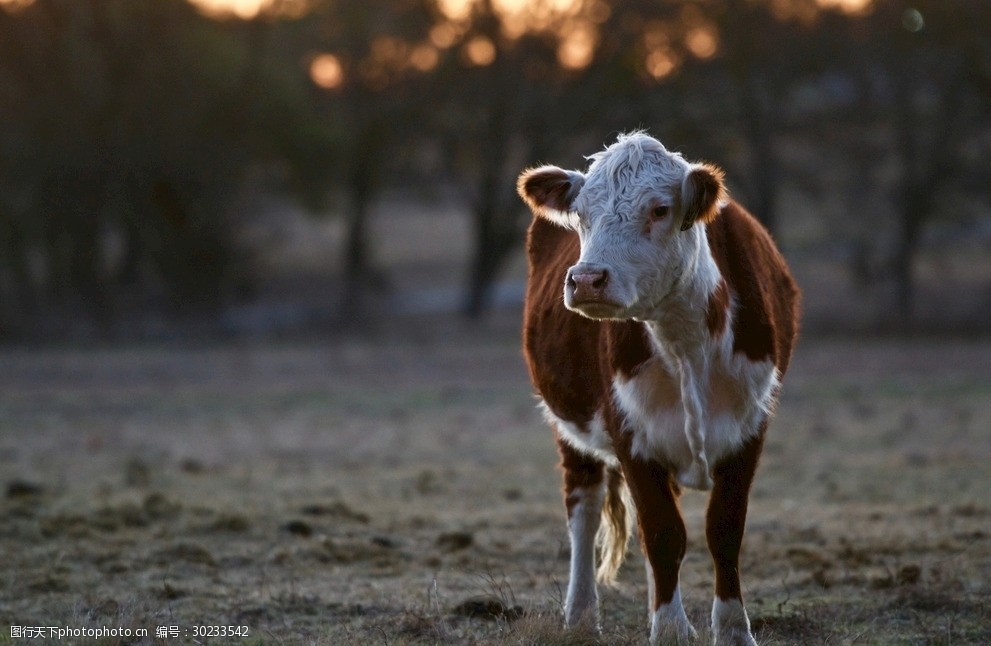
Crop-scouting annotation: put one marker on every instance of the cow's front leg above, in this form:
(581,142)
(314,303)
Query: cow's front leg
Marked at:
(694,394)
(724,525)
(663,539)
(584,492)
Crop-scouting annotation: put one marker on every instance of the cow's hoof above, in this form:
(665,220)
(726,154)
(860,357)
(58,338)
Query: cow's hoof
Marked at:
(734,637)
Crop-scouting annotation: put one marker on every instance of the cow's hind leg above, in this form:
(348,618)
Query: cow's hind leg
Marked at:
(725,520)
(663,539)
(584,494)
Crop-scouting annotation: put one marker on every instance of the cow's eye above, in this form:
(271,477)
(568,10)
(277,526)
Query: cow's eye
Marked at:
(659,212)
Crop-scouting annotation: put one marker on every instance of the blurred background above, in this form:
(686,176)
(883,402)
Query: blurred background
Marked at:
(262,167)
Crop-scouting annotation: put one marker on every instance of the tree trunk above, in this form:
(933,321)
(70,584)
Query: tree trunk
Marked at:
(764,175)
(358,272)
(494,242)
(18,300)
(356,263)
(494,230)
(926,165)
(914,210)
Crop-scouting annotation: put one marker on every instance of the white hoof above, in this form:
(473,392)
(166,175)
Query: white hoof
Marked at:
(669,624)
(730,624)
(734,637)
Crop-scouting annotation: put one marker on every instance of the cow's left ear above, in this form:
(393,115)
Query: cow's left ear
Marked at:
(701,192)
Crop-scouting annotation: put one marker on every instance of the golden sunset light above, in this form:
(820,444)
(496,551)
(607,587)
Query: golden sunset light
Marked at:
(456,10)
(702,42)
(239,8)
(326,71)
(17,4)
(480,51)
(444,35)
(847,6)
(577,47)
(247,9)
(424,57)
(575,23)
(660,63)
(514,12)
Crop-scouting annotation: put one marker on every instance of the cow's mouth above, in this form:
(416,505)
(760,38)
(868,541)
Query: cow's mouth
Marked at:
(596,309)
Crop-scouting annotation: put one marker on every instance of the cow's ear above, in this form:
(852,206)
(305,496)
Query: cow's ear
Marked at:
(702,190)
(550,192)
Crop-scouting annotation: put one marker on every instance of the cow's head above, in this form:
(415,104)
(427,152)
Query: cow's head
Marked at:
(635,211)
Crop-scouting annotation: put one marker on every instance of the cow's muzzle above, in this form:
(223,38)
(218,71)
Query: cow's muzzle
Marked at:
(586,290)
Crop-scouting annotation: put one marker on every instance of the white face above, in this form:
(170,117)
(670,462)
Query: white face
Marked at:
(629,210)
(628,230)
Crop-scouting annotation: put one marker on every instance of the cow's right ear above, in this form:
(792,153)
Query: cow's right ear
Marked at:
(550,192)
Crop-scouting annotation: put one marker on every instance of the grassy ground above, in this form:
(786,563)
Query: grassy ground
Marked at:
(403,490)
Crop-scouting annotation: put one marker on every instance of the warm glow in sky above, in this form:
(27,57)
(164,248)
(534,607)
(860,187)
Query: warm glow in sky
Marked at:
(458,9)
(847,6)
(240,8)
(574,22)
(17,4)
(326,71)
(461,9)
(245,8)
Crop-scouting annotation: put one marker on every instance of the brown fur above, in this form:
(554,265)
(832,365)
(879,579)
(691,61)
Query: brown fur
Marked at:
(702,191)
(546,187)
(765,321)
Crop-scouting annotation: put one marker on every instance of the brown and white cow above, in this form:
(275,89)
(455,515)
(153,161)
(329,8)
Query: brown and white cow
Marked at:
(659,368)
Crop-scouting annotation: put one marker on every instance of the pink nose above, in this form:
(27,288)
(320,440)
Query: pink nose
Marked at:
(587,283)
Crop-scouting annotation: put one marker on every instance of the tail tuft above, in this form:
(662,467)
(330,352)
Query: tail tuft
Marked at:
(614,531)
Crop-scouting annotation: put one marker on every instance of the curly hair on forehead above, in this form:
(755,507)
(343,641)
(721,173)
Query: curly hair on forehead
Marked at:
(620,162)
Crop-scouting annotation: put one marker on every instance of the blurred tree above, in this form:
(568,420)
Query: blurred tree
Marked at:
(919,70)
(933,56)
(377,96)
(126,129)
(504,105)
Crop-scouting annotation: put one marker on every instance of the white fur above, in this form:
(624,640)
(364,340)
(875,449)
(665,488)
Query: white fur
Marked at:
(582,603)
(722,395)
(669,624)
(659,429)
(643,258)
(730,624)
(591,438)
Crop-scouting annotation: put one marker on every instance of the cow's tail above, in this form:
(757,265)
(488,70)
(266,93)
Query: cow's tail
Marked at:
(614,531)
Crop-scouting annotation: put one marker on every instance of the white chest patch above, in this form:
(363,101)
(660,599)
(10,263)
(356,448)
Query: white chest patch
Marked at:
(738,394)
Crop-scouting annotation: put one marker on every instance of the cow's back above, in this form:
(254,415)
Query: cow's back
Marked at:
(561,347)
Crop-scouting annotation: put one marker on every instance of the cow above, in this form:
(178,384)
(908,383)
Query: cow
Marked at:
(659,321)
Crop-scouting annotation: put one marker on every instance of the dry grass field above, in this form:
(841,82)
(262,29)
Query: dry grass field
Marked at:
(402,489)
(399,487)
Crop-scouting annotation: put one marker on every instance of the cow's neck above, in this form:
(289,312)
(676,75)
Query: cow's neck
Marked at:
(678,323)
